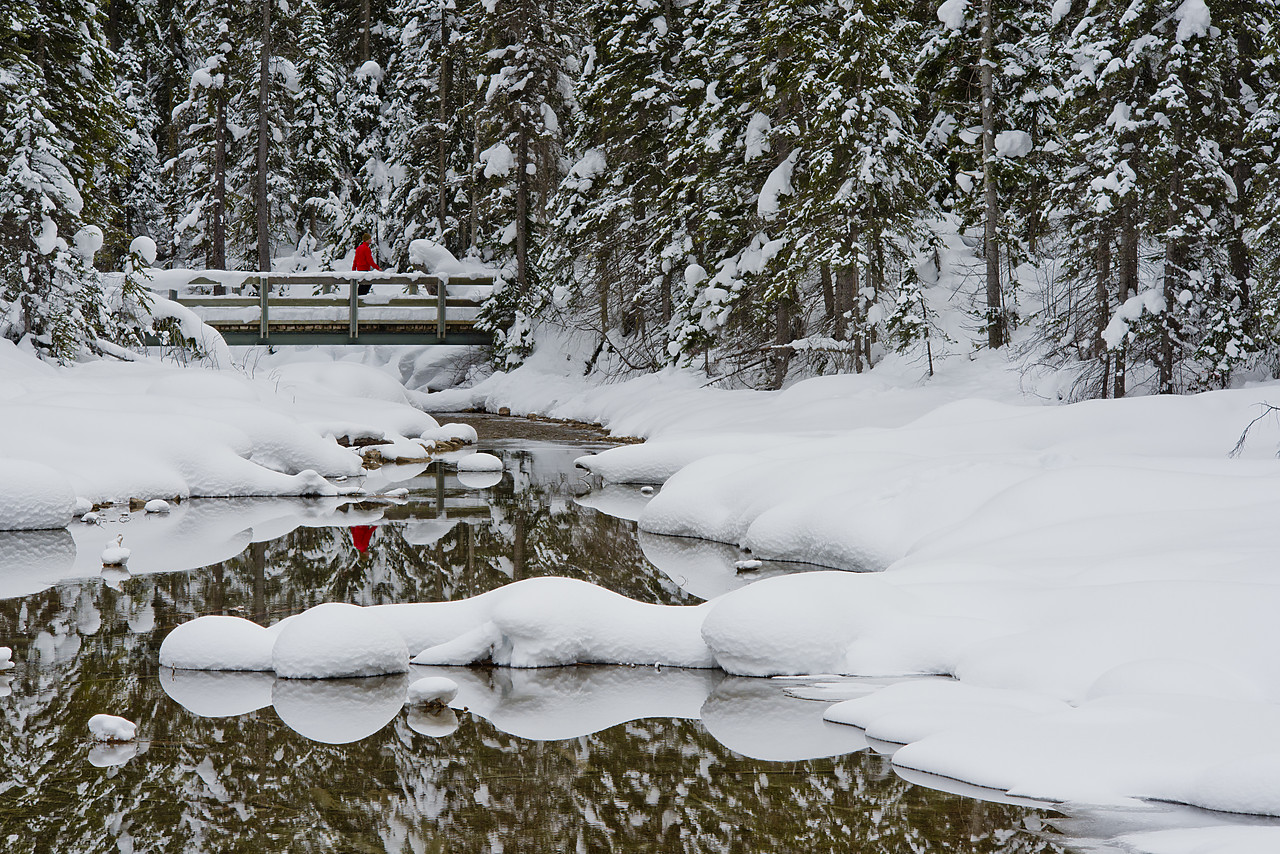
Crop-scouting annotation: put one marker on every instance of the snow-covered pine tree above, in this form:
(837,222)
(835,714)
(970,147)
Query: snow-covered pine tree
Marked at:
(134,31)
(363,148)
(201,198)
(860,174)
(262,175)
(1156,122)
(431,122)
(1261,86)
(967,86)
(524,82)
(312,142)
(60,135)
(714,188)
(609,235)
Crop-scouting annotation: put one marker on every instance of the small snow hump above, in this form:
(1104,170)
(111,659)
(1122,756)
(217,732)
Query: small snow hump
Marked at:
(156,505)
(480,462)
(433,691)
(6,658)
(112,728)
(115,554)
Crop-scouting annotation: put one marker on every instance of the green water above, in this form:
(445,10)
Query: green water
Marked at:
(541,761)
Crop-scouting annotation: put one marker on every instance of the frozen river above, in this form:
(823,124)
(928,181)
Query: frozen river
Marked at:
(581,758)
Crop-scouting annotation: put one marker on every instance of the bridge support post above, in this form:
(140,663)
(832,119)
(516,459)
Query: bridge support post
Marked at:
(441,329)
(353,310)
(264,292)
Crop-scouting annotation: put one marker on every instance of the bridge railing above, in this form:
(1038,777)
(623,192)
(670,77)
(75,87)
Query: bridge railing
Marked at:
(259,304)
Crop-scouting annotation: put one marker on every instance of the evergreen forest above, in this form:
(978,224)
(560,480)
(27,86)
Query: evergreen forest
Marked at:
(759,188)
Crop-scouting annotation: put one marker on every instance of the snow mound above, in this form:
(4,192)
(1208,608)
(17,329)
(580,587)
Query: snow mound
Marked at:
(157,505)
(433,690)
(480,462)
(1250,785)
(451,432)
(335,641)
(112,728)
(34,497)
(215,642)
(547,622)
(434,258)
(6,658)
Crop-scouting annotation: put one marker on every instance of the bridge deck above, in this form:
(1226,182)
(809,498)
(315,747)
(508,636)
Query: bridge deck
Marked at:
(311,308)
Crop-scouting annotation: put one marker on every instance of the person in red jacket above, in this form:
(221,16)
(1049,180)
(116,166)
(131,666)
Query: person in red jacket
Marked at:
(364,262)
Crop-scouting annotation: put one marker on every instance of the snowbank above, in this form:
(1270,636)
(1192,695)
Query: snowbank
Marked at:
(1086,584)
(537,622)
(108,431)
(34,497)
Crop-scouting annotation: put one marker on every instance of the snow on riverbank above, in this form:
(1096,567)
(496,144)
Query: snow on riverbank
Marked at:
(106,431)
(1094,581)
(1097,579)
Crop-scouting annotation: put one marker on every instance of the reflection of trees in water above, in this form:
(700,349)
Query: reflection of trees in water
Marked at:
(249,783)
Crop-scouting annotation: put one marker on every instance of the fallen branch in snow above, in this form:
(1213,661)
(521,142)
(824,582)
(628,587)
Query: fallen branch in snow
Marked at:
(1267,409)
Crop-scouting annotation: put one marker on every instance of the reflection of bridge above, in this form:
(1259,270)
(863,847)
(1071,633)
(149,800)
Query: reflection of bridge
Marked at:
(311,308)
(451,501)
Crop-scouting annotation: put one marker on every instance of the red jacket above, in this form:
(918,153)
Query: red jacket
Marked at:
(364,259)
(361,535)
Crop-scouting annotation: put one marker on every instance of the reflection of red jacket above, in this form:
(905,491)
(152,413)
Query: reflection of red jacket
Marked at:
(364,259)
(361,535)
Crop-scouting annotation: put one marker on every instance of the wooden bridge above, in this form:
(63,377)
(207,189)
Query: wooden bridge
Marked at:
(283,309)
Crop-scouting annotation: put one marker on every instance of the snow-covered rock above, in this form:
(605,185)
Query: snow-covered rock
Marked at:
(157,505)
(115,554)
(433,690)
(6,658)
(334,641)
(451,432)
(480,462)
(112,728)
(217,642)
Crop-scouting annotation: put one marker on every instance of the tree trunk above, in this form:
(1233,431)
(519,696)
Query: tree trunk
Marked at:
(442,144)
(828,294)
(264,130)
(217,254)
(473,202)
(366,24)
(1102,292)
(996,333)
(666,298)
(846,283)
(1126,284)
(1174,265)
(1238,251)
(781,339)
(522,210)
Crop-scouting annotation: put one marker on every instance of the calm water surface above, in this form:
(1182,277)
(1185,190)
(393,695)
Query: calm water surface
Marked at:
(568,759)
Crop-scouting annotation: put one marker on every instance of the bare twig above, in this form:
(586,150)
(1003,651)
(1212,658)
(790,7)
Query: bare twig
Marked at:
(1267,409)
